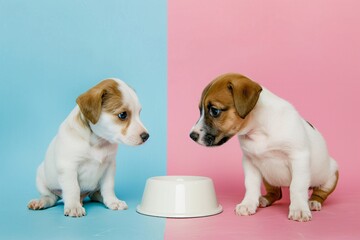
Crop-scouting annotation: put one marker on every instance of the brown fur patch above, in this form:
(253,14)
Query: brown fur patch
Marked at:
(236,96)
(272,194)
(105,96)
(91,102)
(112,99)
(245,93)
(126,122)
(113,103)
(320,195)
(80,119)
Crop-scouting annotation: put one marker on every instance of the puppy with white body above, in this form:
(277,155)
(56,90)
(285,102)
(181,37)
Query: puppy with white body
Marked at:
(278,145)
(80,160)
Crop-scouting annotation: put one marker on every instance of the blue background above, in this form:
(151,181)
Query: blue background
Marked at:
(51,52)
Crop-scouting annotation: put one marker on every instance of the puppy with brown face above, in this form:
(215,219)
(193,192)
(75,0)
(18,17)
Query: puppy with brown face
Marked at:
(80,160)
(279,146)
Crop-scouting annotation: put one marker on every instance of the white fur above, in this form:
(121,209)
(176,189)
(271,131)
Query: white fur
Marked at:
(282,147)
(82,161)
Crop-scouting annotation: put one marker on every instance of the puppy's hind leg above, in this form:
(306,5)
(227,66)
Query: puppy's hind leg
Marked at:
(47,198)
(117,205)
(44,202)
(273,194)
(96,197)
(320,194)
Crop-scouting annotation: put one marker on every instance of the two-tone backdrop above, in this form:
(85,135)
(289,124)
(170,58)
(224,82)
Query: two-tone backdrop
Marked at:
(307,52)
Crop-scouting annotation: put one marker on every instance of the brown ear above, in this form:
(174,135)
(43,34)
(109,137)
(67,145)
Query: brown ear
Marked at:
(245,93)
(90,103)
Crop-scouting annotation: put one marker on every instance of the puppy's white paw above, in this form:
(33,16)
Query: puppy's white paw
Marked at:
(36,204)
(74,210)
(116,205)
(263,202)
(314,205)
(42,203)
(300,215)
(245,209)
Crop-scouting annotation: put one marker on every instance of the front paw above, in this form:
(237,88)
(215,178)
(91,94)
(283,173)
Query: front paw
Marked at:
(116,204)
(246,209)
(300,214)
(74,210)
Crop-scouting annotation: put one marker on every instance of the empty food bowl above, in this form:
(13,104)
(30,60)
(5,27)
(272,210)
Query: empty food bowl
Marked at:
(179,197)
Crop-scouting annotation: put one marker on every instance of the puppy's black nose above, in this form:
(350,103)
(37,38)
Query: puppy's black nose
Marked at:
(194,136)
(144,136)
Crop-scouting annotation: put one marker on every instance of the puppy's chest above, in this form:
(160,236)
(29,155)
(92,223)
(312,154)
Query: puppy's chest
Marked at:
(101,154)
(89,175)
(273,163)
(94,167)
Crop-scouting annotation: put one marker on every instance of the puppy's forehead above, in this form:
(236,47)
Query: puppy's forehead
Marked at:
(216,92)
(118,96)
(129,96)
(113,98)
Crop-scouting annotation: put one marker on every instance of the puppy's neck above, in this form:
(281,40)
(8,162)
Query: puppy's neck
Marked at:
(246,125)
(96,141)
(81,120)
(81,125)
(258,118)
(250,125)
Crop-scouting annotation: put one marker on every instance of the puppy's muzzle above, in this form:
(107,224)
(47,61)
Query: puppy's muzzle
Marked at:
(208,139)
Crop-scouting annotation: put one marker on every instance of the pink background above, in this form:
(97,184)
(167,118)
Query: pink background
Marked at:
(307,52)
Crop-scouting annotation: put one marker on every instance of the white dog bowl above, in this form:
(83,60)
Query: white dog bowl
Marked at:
(179,197)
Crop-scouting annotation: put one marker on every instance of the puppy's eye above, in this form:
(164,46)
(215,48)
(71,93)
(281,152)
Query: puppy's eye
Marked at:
(123,115)
(214,112)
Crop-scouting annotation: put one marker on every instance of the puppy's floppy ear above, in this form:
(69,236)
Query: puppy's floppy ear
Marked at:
(245,94)
(90,103)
